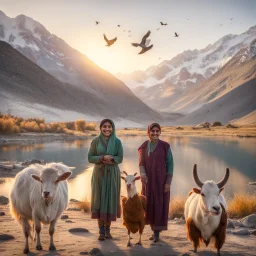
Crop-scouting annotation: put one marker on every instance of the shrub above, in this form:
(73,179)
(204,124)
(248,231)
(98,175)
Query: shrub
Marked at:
(216,123)
(241,206)
(90,126)
(80,125)
(177,205)
(84,205)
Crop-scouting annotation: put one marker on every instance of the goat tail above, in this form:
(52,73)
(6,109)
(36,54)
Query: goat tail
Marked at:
(14,213)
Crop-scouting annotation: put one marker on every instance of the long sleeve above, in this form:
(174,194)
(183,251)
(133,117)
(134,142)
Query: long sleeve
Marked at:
(169,162)
(119,157)
(92,157)
(141,163)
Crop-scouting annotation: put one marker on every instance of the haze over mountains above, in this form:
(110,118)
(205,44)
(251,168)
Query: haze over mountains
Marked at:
(100,93)
(193,79)
(53,80)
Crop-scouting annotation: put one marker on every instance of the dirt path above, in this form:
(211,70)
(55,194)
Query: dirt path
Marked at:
(173,242)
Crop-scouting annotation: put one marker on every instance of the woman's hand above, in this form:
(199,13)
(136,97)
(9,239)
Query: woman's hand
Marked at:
(107,162)
(108,158)
(166,187)
(144,179)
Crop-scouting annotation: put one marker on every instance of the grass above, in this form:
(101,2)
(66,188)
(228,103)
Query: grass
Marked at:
(239,206)
(85,206)
(12,124)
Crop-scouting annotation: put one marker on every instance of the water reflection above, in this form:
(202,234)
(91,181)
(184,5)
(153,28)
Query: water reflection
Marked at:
(212,155)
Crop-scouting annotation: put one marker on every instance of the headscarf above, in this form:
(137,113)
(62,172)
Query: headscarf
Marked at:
(112,145)
(150,127)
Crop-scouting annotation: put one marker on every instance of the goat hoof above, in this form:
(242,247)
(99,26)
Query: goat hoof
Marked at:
(52,248)
(139,243)
(129,244)
(26,251)
(39,247)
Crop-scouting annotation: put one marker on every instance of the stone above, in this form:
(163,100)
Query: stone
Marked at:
(4,200)
(74,200)
(95,251)
(230,224)
(249,221)
(78,230)
(2,213)
(64,217)
(242,232)
(253,232)
(74,209)
(69,221)
(5,237)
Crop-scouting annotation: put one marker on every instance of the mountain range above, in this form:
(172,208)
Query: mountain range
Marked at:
(101,93)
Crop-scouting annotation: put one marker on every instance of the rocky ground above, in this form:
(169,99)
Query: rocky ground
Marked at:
(77,234)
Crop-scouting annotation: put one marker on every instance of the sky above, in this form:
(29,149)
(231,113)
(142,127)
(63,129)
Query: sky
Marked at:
(196,21)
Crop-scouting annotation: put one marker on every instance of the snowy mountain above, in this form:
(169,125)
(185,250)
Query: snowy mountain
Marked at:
(73,68)
(191,67)
(162,86)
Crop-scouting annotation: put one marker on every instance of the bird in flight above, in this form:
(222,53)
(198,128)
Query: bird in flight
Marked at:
(144,44)
(157,29)
(109,42)
(97,22)
(176,35)
(163,24)
(231,19)
(119,26)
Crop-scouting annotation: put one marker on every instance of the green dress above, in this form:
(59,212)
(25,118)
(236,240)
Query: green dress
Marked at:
(106,181)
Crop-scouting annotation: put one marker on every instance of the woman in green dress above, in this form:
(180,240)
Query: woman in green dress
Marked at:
(106,152)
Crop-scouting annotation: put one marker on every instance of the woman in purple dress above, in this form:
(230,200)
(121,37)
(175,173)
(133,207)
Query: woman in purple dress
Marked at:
(156,170)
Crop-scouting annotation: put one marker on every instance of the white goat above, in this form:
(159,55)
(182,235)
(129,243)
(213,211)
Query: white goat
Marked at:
(205,212)
(134,208)
(40,194)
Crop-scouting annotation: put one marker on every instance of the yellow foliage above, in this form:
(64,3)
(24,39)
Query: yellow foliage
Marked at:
(80,125)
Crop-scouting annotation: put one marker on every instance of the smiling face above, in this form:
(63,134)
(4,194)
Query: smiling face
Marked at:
(106,129)
(154,133)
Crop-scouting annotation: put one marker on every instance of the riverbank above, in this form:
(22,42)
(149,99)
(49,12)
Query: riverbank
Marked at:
(33,138)
(173,242)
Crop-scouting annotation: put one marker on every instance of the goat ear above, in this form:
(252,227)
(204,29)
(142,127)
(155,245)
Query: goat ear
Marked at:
(123,178)
(71,168)
(35,177)
(221,189)
(64,176)
(137,178)
(197,191)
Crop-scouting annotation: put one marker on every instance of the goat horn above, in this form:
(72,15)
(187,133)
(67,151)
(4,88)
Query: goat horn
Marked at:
(125,173)
(222,183)
(196,178)
(135,174)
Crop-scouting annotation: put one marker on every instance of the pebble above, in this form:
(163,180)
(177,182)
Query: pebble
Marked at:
(230,224)
(242,232)
(5,237)
(4,200)
(2,213)
(78,230)
(63,217)
(73,209)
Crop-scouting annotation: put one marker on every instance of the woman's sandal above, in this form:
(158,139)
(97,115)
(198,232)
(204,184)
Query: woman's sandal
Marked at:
(156,239)
(152,237)
(108,236)
(101,237)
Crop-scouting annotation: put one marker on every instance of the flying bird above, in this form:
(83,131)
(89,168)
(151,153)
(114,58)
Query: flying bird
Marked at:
(97,22)
(129,31)
(109,42)
(163,24)
(144,44)
(231,18)
(157,28)
(119,26)
(176,35)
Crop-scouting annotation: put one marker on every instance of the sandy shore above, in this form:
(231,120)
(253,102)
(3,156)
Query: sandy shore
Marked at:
(173,242)
(32,138)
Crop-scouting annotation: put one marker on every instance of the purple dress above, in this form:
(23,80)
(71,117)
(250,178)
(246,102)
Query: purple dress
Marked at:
(156,171)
